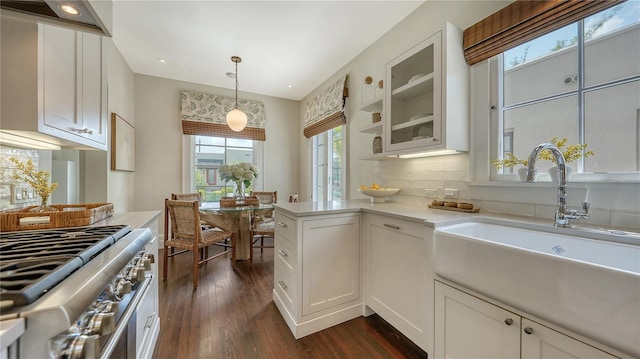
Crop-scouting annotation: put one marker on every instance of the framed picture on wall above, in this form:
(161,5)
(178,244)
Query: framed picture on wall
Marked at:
(123,144)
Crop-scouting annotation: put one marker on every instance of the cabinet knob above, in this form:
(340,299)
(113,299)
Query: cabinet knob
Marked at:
(528,330)
(508,321)
(282,253)
(282,225)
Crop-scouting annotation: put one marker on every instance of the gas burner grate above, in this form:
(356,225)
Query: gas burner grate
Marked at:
(33,262)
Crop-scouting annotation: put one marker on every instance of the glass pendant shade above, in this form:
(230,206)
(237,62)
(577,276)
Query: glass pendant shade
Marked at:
(237,120)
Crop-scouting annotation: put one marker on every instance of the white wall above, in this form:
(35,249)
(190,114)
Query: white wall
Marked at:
(159,149)
(419,25)
(613,204)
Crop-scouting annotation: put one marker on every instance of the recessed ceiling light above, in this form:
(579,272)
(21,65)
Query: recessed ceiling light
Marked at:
(69,9)
(290,86)
(161,60)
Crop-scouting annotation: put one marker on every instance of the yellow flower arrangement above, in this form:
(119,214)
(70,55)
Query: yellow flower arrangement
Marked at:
(509,161)
(570,152)
(38,180)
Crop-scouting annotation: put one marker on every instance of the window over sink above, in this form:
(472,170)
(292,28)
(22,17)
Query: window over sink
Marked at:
(581,82)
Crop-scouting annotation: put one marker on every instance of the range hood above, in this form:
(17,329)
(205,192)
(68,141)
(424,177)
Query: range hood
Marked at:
(94,16)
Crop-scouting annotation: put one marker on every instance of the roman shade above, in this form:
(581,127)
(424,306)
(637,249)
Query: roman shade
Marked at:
(205,115)
(522,21)
(326,110)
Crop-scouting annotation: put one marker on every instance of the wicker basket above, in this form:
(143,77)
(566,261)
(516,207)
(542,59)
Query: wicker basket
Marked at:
(68,215)
(231,202)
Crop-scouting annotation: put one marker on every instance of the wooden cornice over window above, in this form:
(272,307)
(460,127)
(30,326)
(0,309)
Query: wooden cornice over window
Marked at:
(522,21)
(206,115)
(326,110)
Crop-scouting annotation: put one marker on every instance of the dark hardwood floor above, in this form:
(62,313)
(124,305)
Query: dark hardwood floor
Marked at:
(232,315)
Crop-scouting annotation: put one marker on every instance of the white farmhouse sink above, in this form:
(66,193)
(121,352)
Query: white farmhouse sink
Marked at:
(589,286)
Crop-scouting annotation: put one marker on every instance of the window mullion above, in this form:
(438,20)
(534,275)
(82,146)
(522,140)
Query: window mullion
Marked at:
(581,92)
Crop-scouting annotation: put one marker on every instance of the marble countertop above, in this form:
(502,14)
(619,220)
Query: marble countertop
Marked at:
(417,213)
(10,331)
(132,219)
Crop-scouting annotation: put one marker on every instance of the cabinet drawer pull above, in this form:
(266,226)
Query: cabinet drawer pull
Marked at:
(508,321)
(282,253)
(84,130)
(282,225)
(149,321)
(528,330)
(282,285)
(393,226)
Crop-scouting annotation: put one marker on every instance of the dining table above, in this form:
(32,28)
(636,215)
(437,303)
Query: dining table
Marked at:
(236,220)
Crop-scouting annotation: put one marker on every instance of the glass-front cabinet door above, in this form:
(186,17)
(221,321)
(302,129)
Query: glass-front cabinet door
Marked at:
(414,116)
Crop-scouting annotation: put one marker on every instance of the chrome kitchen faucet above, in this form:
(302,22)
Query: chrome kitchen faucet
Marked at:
(563,215)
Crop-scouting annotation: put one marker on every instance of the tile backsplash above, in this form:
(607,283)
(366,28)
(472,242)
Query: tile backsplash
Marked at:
(7,171)
(613,205)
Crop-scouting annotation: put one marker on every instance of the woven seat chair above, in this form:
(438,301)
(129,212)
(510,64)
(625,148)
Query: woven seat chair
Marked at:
(293,198)
(262,223)
(187,234)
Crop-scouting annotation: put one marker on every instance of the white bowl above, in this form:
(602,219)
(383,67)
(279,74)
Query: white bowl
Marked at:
(378,195)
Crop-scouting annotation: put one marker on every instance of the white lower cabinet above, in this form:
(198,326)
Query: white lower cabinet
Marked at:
(398,276)
(317,271)
(469,327)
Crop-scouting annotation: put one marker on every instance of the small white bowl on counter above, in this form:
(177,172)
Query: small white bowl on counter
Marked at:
(379,195)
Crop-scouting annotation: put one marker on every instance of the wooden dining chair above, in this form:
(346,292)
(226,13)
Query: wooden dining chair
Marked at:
(293,198)
(262,223)
(182,230)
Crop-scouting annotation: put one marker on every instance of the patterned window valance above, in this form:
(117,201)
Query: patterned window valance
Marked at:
(326,110)
(522,21)
(205,114)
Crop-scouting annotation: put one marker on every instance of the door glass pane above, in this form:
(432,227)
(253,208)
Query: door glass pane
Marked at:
(540,122)
(612,128)
(612,44)
(542,67)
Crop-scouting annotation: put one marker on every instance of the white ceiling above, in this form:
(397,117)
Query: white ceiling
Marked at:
(288,48)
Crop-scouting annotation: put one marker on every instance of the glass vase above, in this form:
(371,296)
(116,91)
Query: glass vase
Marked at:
(239,191)
(43,206)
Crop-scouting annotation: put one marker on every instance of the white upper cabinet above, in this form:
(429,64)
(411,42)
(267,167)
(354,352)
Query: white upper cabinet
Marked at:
(57,92)
(426,101)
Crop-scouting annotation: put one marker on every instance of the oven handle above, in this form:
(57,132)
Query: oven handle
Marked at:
(124,319)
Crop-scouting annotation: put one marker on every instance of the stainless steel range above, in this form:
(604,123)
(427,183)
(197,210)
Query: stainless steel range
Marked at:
(78,289)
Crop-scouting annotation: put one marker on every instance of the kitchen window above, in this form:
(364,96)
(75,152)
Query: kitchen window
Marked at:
(581,82)
(209,153)
(328,166)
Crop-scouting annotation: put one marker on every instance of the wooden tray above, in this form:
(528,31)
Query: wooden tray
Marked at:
(68,215)
(456,209)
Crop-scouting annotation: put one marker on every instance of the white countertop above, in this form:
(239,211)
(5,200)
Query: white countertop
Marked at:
(437,218)
(417,213)
(10,331)
(132,219)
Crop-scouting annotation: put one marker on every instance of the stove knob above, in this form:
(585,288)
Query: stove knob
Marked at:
(123,287)
(108,306)
(147,263)
(151,257)
(137,274)
(102,324)
(81,347)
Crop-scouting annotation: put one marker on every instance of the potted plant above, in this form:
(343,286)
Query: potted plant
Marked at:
(570,153)
(511,160)
(38,180)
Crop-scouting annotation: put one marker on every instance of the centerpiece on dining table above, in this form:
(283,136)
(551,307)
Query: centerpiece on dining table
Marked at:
(241,174)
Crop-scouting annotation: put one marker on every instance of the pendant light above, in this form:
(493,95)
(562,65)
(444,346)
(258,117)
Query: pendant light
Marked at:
(236,119)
